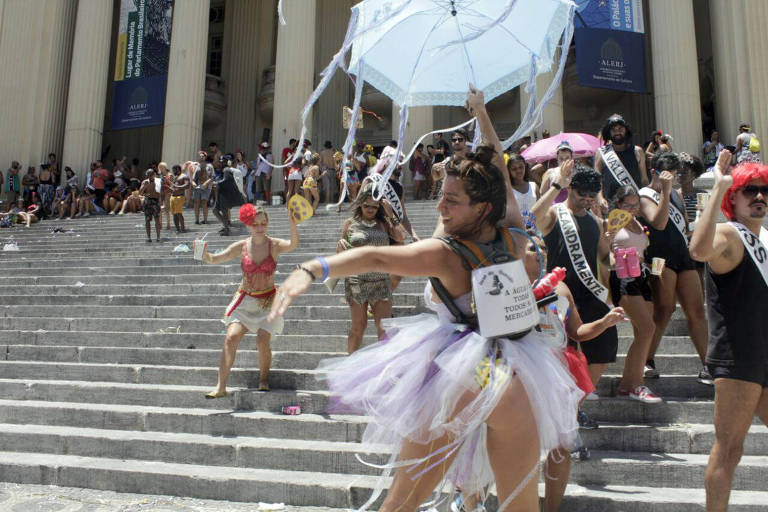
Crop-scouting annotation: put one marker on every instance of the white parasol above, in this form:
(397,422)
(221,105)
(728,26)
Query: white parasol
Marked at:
(427,52)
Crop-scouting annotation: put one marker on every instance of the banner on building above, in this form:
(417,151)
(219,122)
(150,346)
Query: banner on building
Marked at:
(141,63)
(610,44)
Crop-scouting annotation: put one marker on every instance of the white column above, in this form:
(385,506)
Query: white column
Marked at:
(294,75)
(421,120)
(35,54)
(87,85)
(243,76)
(183,126)
(676,73)
(739,42)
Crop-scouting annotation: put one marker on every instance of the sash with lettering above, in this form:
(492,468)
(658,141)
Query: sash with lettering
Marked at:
(755,246)
(675,215)
(614,165)
(576,253)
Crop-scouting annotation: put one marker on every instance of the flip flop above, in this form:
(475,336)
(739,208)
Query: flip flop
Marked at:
(214,394)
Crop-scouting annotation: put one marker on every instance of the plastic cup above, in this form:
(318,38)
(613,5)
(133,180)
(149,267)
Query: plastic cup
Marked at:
(657,266)
(701,200)
(199,247)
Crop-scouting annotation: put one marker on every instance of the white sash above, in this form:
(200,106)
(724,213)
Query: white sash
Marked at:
(389,194)
(572,243)
(675,215)
(755,246)
(617,169)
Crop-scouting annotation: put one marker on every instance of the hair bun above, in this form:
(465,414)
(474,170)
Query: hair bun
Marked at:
(484,155)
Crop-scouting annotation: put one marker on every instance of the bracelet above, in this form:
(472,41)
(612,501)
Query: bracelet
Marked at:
(556,186)
(305,269)
(326,268)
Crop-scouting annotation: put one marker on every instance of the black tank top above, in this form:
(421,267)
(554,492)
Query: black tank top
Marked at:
(557,253)
(667,243)
(628,158)
(738,325)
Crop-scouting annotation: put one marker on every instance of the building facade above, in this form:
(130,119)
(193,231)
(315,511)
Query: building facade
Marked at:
(238,77)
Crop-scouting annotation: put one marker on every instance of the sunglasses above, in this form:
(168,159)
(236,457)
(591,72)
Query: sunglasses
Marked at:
(458,139)
(752,190)
(371,206)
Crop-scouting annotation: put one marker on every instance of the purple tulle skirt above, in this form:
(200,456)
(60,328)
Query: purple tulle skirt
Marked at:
(410,385)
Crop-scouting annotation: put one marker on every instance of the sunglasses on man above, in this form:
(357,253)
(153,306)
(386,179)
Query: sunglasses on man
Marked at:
(752,190)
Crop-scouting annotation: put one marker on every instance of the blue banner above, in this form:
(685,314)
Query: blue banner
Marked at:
(141,63)
(610,44)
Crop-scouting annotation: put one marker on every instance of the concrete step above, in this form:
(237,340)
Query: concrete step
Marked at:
(302,488)
(330,310)
(672,345)
(290,379)
(312,402)
(295,323)
(678,364)
(189,420)
(664,438)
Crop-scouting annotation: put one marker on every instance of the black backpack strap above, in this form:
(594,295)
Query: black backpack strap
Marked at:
(445,297)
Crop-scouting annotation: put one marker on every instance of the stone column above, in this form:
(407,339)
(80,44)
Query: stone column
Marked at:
(243,76)
(739,42)
(421,120)
(294,76)
(183,126)
(676,73)
(553,117)
(331,26)
(88,85)
(35,54)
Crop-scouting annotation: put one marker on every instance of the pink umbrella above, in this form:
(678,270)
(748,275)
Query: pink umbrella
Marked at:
(582,144)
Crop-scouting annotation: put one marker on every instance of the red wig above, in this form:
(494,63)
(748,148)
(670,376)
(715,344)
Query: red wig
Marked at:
(247,214)
(743,174)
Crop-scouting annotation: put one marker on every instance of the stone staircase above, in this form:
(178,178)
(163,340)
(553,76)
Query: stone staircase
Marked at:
(109,344)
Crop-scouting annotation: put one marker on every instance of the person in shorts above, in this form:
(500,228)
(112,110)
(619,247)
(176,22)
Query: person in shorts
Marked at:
(737,292)
(150,189)
(202,182)
(179,186)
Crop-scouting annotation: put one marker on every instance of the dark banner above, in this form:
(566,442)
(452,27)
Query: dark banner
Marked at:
(141,63)
(610,59)
(610,44)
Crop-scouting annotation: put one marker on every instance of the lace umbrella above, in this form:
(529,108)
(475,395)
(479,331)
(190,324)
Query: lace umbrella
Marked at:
(427,52)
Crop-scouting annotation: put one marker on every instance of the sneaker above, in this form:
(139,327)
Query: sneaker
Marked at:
(86,214)
(585,421)
(705,377)
(650,370)
(581,453)
(592,397)
(645,395)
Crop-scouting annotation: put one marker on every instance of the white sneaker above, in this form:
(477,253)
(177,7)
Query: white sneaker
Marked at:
(592,397)
(86,214)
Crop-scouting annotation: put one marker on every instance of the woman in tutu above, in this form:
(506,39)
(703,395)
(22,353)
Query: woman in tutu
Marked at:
(247,312)
(450,404)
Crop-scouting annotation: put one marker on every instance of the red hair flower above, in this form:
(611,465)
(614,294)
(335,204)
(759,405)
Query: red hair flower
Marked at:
(247,214)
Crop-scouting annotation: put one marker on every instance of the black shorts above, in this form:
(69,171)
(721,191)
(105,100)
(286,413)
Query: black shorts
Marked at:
(757,373)
(632,286)
(676,256)
(151,208)
(100,193)
(603,349)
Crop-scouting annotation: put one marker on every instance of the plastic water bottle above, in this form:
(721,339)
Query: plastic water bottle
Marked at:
(633,262)
(620,255)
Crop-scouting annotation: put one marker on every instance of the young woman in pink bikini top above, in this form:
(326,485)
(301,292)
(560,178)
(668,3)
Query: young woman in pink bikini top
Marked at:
(247,311)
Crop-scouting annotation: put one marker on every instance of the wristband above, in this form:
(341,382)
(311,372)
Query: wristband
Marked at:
(305,269)
(326,268)
(556,186)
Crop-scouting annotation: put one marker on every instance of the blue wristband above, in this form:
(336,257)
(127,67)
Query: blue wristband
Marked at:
(326,268)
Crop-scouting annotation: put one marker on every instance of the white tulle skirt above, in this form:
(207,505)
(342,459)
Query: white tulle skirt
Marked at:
(411,382)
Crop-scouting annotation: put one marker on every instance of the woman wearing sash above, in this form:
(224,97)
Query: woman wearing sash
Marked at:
(737,292)
(451,404)
(247,312)
(663,211)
